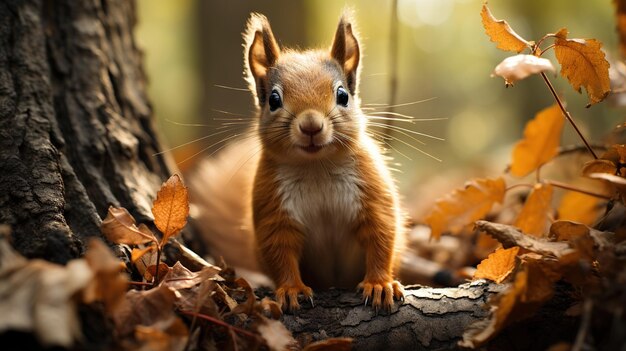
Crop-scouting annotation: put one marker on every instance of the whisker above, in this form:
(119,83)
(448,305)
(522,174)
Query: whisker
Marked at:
(187,124)
(398,129)
(210,146)
(192,141)
(229,88)
(404,104)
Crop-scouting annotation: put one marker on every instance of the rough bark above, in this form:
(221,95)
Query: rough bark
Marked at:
(429,318)
(76,128)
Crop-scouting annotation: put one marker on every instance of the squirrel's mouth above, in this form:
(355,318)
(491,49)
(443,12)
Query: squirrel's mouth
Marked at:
(312,148)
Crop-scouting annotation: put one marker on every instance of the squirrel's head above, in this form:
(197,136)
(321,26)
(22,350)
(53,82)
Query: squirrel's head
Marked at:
(308,100)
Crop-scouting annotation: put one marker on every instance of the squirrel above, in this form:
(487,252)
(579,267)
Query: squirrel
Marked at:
(319,207)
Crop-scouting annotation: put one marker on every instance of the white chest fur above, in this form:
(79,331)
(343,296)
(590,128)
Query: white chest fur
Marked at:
(325,199)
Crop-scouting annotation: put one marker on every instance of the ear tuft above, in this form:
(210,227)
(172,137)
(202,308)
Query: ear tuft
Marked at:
(345,49)
(261,52)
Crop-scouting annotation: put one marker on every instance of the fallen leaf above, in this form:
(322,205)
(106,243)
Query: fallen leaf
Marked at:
(509,236)
(618,183)
(38,296)
(533,219)
(164,335)
(110,284)
(579,207)
(332,344)
(275,334)
(497,266)
(501,33)
(179,277)
(171,208)
(616,153)
(144,308)
(540,144)
(599,166)
(567,231)
(151,271)
(137,254)
(465,205)
(119,227)
(584,65)
(246,307)
(518,67)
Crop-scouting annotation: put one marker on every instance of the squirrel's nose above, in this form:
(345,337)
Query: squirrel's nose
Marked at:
(310,127)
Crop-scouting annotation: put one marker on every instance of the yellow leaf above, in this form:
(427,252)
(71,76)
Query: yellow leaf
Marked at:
(465,205)
(136,253)
(501,33)
(533,218)
(119,227)
(171,207)
(579,207)
(584,65)
(498,265)
(541,141)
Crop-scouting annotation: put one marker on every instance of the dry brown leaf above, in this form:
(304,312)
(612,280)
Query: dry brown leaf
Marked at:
(119,227)
(533,219)
(518,67)
(583,63)
(171,207)
(465,205)
(616,153)
(599,166)
(275,334)
(332,344)
(579,207)
(110,283)
(540,144)
(144,308)
(501,33)
(38,296)
(509,236)
(179,277)
(616,182)
(567,231)
(151,271)
(165,335)
(497,266)
(248,306)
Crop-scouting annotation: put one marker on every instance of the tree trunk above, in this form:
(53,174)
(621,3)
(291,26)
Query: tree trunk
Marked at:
(76,127)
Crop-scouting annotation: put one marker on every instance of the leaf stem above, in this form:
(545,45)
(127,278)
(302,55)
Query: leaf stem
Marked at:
(221,323)
(158,262)
(573,188)
(567,115)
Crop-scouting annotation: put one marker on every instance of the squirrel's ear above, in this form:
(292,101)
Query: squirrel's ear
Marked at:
(346,50)
(261,53)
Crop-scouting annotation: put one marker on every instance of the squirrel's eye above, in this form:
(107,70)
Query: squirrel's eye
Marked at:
(275,101)
(342,97)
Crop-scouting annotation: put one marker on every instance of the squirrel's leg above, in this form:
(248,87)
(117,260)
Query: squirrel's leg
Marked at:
(377,236)
(279,245)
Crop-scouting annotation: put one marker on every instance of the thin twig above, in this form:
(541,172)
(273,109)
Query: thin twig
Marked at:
(573,188)
(567,114)
(221,323)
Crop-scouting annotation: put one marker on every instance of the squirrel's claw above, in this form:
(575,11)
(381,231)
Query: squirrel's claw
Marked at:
(382,293)
(287,296)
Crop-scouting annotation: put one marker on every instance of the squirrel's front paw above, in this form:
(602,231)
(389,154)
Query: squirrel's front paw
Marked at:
(287,295)
(381,292)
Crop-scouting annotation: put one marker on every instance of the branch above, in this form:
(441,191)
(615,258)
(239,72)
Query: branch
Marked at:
(428,319)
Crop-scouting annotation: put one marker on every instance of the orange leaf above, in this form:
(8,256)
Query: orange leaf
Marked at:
(119,227)
(541,141)
(498,265)
(465,205)
(616,153)
(584,65)
(171,207)
(578,207)
(533,218)
(501,33)
(599,166)
(136,253)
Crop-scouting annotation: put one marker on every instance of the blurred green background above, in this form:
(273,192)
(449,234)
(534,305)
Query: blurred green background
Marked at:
(192,47)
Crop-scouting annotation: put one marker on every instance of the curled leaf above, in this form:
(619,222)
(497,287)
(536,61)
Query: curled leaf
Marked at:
(599,166)
(533,218)
(465,205)
(119,227)
(171,207)
(498,265)
(584,65)
(518,67)
(501,33)
(540,144)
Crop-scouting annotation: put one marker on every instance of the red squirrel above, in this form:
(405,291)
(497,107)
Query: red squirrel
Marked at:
(324,208)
